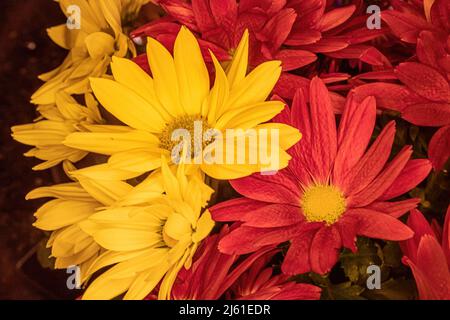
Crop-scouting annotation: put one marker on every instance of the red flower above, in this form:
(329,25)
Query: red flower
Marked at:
(214,275)
(332,190)
(292,31)
(424,96)
(428,256)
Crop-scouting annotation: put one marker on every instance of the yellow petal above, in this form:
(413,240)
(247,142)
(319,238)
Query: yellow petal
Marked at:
(62,36)
(66,191)
(105,192)
(104,172)
(137,160)
(130,75)
(177,227)
(111,142)
(104,288)
(257,86)
(99,44)
(238,67)
(171,185)
(219,94)
(288,135)
(228,172)
(249,116)
(151,188)
(191,71)
(126,105)
(164,77)
(118,239)
(111,12)
(146,282)
(109,258)
(204,226)
(60,213)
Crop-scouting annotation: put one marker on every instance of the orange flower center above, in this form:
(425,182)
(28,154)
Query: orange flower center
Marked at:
(323,203)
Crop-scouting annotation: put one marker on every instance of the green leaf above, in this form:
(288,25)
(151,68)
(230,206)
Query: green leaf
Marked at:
(355,264)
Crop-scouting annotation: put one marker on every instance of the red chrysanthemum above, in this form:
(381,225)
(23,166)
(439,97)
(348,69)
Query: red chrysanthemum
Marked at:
(215,275)
(332,190)
(292,31)
(428,256)
(423,97)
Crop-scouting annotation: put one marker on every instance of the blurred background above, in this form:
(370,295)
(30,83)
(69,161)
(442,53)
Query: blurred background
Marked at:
(25,52)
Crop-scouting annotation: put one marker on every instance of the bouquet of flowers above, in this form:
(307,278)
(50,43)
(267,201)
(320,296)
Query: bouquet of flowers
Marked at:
(252,149)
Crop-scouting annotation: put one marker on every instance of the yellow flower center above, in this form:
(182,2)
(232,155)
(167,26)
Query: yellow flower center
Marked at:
(182,128)
(323,203)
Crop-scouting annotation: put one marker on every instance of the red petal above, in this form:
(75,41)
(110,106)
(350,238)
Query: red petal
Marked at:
(181,11)
(446,236)
(404,25)
(235,209)
(278,188)
(225,13)
(324,251)
(303,37)
(429,49)
(355,130)
(414,172)
(155,28)
(383,181)
(335,17)
(432,262)
(395,209)
(364,53)
(274,215)
(388,95)
(297,258)
(378,225)
(248,239)
(278,28)
(348,227)
(288,84)
(323,131)
(298,291)
(371,163)
(439,148)
(421,227)
(203,15)
(325,45)
(428,114)
(424,80)
(440,14)
(142,61)
(294,59)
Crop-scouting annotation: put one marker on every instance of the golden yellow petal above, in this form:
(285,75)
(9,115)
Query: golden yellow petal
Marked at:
(191,71)
(126,105)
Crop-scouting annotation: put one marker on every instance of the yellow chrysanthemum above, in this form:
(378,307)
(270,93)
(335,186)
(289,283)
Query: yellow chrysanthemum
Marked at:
(74,203)
(56,121)
(150,243)
(178,95)
(99,37)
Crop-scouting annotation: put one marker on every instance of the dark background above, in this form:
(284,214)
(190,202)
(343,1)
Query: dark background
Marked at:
(25,52)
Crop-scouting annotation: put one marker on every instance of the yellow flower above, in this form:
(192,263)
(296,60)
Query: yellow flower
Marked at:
(150,243)
(51,128)
(99,37)
(74,203)
(179,95)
